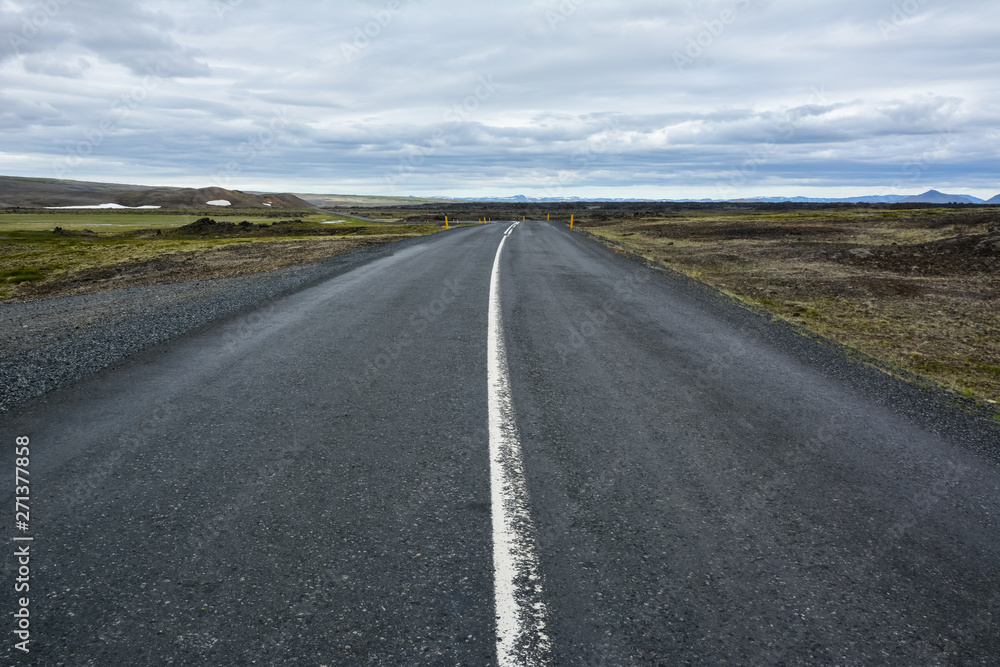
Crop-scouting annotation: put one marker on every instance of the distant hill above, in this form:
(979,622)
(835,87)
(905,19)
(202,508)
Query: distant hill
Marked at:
(935,197)
(43,192)
(336,201)
(867,199)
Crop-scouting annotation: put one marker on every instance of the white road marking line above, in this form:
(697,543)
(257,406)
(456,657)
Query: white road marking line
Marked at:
(517,590)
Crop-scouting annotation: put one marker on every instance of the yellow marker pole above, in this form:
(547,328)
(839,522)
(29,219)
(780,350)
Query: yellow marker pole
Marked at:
(571,222)
(548,217)
(446,223)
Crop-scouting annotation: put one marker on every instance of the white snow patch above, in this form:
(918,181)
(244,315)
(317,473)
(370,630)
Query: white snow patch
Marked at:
(102,206)
(267,204)
(332,222)
(219,202)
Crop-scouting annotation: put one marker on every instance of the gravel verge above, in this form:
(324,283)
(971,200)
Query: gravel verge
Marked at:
(50,343)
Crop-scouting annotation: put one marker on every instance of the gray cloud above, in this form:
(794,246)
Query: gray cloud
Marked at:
(579,96)
(47,65)
(117,31)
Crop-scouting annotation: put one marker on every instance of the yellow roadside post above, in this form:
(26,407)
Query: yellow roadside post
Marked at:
(446,223)
(571,222)
(548,217)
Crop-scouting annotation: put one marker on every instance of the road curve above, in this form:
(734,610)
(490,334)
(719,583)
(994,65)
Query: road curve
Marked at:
(310,483)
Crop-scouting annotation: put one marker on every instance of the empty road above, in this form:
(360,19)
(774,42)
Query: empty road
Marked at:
(544,455)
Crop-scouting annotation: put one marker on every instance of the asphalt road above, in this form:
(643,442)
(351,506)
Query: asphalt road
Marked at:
(309,484)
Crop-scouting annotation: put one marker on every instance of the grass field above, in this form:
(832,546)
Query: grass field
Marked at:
(98,250)
(104,221)
(917,289)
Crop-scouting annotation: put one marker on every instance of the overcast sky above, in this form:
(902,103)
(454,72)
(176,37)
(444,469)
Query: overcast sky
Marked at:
(659,99)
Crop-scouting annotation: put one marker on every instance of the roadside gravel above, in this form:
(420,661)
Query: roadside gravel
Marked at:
(49,343)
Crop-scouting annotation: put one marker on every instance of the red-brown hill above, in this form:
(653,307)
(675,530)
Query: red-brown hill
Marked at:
(42,192)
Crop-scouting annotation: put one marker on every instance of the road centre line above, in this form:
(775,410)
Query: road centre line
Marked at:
(517,590)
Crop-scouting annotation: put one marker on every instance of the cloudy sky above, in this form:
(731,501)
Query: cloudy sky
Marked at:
(659,99)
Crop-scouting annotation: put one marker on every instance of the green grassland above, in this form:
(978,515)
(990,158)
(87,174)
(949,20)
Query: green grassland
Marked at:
(39,251)
(111,221)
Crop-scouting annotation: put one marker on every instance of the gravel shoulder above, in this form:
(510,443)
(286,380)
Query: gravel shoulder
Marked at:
(48,343)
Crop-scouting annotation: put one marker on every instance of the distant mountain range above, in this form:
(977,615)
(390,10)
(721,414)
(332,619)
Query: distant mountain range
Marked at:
(929,197)
(50,192)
